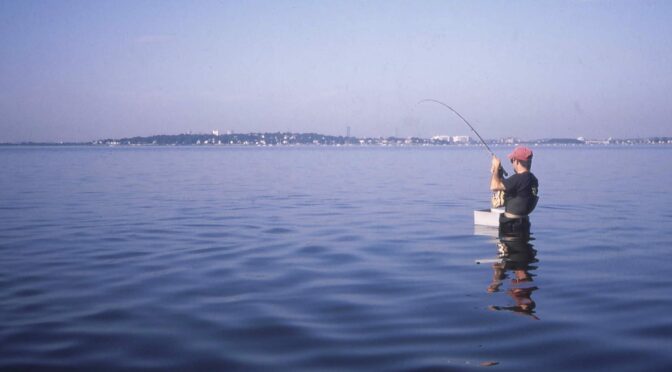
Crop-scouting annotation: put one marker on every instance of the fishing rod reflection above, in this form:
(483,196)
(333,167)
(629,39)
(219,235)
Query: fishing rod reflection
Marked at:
(512,273)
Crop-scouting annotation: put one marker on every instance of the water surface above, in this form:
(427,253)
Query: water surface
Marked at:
(313,258)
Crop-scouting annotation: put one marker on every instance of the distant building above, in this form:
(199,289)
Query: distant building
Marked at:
(596,142)
(215,132)
(461,139)
(442,138)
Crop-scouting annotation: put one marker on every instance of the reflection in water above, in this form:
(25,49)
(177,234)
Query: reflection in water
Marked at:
(517,256)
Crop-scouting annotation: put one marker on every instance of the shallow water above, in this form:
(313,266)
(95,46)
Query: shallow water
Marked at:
(327,258)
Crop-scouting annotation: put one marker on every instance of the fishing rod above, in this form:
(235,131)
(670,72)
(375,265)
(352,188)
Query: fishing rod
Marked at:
(466,122)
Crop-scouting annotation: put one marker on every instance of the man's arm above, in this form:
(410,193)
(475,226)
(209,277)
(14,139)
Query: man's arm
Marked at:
(496,182)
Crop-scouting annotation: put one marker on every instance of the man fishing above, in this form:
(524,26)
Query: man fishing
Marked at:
(520,192)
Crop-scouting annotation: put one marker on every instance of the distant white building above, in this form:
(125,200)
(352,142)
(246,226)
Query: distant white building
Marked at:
(215,132)
(442,138)
(461,139)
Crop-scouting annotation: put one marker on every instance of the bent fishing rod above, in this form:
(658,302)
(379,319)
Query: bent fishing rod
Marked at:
(466,122)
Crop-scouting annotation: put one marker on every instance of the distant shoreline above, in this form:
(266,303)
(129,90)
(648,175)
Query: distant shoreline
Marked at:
(314,139)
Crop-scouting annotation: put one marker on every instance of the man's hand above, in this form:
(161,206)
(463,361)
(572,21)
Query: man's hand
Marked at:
(496,163)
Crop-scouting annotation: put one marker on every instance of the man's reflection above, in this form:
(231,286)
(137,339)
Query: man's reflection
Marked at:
(517,256)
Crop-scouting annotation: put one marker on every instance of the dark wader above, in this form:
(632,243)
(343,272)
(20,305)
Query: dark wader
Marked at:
(514,227)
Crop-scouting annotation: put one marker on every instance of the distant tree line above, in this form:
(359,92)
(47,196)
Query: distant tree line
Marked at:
(265,139)
(278,138)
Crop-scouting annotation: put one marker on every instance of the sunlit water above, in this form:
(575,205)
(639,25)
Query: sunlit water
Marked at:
(327,258)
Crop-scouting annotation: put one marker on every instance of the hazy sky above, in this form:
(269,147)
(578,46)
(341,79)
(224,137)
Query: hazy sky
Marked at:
(84,70)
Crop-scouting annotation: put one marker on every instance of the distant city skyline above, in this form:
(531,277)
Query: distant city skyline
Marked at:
(81,71)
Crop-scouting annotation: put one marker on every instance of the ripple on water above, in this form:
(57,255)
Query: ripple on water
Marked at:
(278,230)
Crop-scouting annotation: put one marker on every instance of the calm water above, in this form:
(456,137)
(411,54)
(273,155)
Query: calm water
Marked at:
(328,258)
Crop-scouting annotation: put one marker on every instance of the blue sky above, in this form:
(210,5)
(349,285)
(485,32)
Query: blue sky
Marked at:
(84,70)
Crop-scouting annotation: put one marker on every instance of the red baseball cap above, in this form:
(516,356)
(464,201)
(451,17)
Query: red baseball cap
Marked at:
(521,153)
